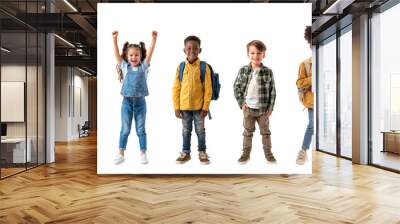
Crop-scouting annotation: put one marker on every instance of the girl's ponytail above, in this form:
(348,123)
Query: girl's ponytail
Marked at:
(124,51)
(142,51)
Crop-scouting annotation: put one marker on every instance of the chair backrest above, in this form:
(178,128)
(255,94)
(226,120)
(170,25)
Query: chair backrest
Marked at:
(86,125)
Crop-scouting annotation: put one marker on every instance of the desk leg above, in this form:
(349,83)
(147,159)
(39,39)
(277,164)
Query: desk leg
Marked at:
(384,142)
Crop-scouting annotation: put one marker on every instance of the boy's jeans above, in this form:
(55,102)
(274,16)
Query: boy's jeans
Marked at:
(309,130)
(187,120)
(136,108)
(250,116)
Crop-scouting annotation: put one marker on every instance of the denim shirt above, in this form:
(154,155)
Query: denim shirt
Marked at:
(135,79)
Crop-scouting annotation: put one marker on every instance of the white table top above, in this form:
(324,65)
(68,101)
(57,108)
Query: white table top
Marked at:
(13,140)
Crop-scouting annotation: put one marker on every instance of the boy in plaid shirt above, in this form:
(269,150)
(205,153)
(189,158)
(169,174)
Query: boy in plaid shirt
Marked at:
(254,90)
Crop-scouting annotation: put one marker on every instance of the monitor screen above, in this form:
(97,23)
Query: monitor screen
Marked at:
(3,129)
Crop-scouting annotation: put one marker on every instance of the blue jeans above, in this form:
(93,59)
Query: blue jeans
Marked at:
(187,123)
(309,130)
(133,108)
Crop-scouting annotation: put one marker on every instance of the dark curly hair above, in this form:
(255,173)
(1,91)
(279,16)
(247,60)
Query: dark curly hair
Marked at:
(139,46)
(307,34)
(192,38)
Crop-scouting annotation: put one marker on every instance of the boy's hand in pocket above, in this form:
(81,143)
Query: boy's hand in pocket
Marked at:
(203,113)
(244,107)
(178,113)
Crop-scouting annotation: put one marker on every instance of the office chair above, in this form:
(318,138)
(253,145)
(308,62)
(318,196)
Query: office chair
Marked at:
(84,130)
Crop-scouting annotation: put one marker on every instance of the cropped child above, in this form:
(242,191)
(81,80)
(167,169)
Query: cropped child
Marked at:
(191,99)
(254,90)
(134,64)
(304,84)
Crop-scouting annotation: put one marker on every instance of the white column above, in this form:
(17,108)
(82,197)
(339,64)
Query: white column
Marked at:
(314,90)
(50,94)
(360,90)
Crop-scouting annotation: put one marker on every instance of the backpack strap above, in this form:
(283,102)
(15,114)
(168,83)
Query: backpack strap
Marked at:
(181,68)
(203,66)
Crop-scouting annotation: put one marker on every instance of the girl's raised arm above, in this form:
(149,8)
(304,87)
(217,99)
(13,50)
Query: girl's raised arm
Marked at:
(116,49)
(152,45)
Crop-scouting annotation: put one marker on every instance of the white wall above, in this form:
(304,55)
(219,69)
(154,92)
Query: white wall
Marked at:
(80,83)
(61,103)
(70,83)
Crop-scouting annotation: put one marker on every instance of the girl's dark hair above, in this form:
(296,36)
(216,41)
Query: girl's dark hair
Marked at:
(139,46)
(307,34)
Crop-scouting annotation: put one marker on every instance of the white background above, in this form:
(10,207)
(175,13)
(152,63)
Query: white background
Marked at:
(224,30)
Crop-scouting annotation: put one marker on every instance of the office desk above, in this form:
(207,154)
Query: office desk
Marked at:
(391,141)
(13,150)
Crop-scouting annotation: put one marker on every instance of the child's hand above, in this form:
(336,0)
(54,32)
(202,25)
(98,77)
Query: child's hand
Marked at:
(115,34)
(154,34)
(244,107)
(178,114)
(203,113)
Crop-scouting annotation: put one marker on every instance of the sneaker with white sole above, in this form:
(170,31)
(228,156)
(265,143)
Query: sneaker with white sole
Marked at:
(143,158)
(119,159)
(203,157)
(301,157)
(270,158)
(244,158)
(183,158)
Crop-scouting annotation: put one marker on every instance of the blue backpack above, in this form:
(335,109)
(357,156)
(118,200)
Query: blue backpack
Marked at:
(216,86)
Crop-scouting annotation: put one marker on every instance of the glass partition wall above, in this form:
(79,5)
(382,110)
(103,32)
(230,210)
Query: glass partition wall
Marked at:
(327,95)
(22,77)
(13,91)
(334,96)
(385,89)
(345,61)
(334,90)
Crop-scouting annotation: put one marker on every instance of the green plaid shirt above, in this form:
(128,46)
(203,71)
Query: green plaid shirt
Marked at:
(265,83)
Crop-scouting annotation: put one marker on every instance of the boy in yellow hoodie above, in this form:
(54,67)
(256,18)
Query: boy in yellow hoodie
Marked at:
(191,98)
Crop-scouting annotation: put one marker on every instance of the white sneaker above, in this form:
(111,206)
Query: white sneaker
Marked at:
(119,159)
(143,158)
(301,157)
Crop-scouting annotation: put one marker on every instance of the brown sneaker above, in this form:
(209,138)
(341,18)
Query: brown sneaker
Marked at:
(244,158)
(301,157)
(270,158)
(183,158)
(203,157)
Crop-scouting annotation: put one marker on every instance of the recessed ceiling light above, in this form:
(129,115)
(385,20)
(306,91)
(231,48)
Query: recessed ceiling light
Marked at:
(5,50)
(84,71)
(70,5)
(64,40)
(338,6)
